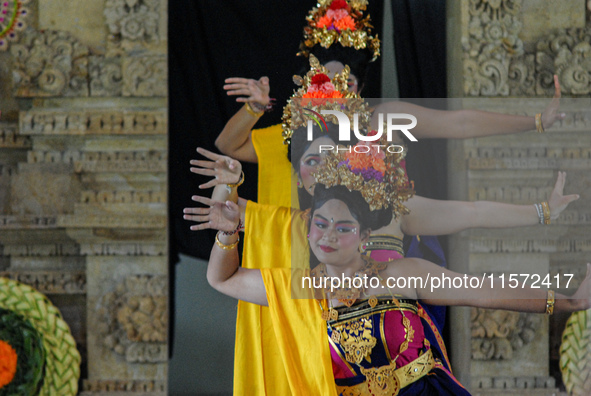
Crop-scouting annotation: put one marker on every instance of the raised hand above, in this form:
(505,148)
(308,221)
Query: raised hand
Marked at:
(557,201)
(221,216)
(550,114)
(249,90)
(223,169)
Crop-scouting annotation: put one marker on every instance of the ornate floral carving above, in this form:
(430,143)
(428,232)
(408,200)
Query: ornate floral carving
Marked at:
(135,319)
(491,46)
(51,282)
(497,334)
(105,76)
(50,63)
(145,76)
(132,20)
(123,385)
(566,53)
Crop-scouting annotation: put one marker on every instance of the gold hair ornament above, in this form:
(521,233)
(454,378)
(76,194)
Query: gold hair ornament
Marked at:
(339,21)
(318,92)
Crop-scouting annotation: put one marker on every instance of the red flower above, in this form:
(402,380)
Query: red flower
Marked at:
(338,4)
(320,79)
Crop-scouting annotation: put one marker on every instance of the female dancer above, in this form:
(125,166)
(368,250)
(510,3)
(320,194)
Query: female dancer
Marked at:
(360,340)
(444,217)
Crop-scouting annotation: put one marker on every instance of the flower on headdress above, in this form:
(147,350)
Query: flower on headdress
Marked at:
(321,88)
(337,17)
(339,4)
(367,161)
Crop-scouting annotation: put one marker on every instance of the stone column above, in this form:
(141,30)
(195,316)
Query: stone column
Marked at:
(501,57)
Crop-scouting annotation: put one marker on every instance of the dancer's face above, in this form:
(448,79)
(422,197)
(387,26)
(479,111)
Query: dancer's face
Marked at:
(337,67)
(310,161)
(335,235)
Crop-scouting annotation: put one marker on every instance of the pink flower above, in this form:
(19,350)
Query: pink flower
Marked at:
(337,15)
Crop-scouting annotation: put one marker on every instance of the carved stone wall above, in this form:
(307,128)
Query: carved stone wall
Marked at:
(503,54)
(83,95)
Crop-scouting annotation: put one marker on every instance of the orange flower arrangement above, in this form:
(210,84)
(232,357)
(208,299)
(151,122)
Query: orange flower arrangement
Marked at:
(368,161)
(337,17)
(8,360)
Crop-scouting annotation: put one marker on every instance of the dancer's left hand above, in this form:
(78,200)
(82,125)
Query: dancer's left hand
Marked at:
(550,114)
(221,216)
(557,201)
(225,170)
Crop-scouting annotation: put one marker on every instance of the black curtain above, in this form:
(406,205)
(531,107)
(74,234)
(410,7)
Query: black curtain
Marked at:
(209,42)
(419,42)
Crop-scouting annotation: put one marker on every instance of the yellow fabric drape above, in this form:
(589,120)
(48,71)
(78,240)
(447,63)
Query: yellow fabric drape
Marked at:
(277,181)
(258,366)
(302,338)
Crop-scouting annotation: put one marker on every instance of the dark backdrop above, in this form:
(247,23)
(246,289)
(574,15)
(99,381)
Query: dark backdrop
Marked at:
(213,40)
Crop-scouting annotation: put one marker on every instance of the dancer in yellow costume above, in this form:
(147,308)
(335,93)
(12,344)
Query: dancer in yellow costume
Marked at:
(338,33)
(503,213)
(322,352)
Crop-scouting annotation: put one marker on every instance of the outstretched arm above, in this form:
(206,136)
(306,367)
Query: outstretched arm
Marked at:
(435,217)
(235,139)
(491,294)
(223,271)
(462,124)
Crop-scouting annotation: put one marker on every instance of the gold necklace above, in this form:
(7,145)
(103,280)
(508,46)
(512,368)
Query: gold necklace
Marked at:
(357,337)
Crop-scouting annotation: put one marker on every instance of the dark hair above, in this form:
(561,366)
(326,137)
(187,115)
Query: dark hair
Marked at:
(297,147)
(299,141)
(358,206)
(357,60)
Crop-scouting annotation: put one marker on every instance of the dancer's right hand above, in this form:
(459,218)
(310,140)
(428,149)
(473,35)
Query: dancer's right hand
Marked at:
(221,216)
(249,90)
(225,170)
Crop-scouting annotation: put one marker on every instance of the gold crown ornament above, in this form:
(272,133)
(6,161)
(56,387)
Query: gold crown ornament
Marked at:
(339,21)
(372,169)
(318,92)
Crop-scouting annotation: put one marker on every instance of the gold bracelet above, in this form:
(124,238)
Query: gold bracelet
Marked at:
(238,183)
(550,302)
(539,126)
(546,209)
(252,112)
(224,246)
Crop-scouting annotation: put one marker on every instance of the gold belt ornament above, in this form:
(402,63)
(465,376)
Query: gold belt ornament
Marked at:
(388,380)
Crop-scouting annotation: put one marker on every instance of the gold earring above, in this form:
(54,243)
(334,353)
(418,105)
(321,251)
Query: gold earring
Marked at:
(362,247)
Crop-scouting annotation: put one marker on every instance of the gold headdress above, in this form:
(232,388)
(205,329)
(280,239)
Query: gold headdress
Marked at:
(318,92)
(371,169)
(339,21)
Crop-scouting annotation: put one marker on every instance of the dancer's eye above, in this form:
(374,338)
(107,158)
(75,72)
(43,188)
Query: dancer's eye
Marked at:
(321,224)
(312,161)
(346,229)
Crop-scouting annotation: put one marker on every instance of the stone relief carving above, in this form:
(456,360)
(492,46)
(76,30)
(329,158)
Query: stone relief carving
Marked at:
(497,334)
(135,319)
(495,63)
(132,20)
(95,122)
(10,138)
(145,76)
(491,46)
(105,76)
(566,53)
(51,282)
(50,63)
(123,385)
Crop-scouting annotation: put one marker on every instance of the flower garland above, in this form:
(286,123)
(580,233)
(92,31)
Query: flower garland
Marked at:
(22,356)
(8,360)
